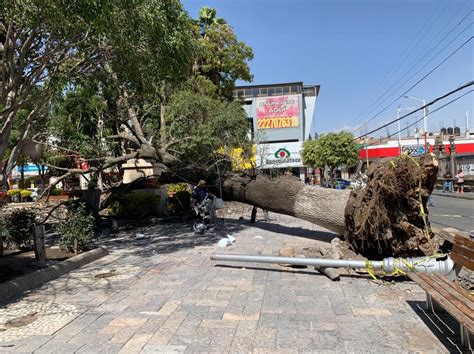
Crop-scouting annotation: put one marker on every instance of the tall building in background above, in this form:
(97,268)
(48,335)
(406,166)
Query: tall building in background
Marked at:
(281,117)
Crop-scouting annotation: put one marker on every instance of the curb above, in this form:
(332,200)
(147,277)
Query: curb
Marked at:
(455,196)
(29,281)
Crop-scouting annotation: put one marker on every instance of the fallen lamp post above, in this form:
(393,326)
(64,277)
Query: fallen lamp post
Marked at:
(440,265)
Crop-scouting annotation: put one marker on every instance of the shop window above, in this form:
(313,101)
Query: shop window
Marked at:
(263,92)
(286,89)
(255,92)
(271,91)
(248,92)
(278,90)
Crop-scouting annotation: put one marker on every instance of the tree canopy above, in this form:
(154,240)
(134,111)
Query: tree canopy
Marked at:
(98,75)
(330,150)
(222,58)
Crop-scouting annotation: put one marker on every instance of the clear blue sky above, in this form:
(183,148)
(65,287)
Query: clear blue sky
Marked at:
(356,50)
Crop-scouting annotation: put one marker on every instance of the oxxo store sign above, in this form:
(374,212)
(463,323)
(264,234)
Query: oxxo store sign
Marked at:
(279,155)
(413,150)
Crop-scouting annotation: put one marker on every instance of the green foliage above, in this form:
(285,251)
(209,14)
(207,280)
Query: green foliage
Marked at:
(85,51)
(181,202)
(13,192)
(330,150)
(74,120)
(20,227)
(178,187)
(79,227)
(56,191)
(222,58)
(24,193)
(204,125)
(135,205)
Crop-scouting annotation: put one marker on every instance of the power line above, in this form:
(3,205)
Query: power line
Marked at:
(413,67)
(418,62)
(416,83)
(431,112)
(470,83)
(406,53)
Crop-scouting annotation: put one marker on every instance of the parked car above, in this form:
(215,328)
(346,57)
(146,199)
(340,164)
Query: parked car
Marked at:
(342,183)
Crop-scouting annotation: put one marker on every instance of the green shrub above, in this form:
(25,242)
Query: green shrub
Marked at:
(56,191)
(178,187)
(24,193)
(79,226)
(13,192)
(135,205)
(20,227)
(181,202)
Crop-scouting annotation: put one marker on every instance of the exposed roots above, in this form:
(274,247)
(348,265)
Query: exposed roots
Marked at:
(389,216)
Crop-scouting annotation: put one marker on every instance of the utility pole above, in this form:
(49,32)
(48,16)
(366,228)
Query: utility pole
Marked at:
(399,132)
(425,119)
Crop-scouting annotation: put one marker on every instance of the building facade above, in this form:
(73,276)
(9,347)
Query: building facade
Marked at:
(461,148)
(281,117)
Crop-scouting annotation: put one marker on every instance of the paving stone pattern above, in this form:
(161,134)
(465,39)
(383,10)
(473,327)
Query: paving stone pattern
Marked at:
(158,292)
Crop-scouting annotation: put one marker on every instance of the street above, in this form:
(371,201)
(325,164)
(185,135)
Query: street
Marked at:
(452,212)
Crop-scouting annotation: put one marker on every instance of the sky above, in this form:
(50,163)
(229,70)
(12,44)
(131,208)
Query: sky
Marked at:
(365,54)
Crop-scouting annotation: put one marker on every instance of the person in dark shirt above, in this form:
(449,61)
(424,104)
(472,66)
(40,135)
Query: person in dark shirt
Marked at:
(200,192)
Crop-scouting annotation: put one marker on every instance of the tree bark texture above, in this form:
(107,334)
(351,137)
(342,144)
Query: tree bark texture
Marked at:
(288,195)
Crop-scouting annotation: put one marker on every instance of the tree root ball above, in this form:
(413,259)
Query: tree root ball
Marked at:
(389,216)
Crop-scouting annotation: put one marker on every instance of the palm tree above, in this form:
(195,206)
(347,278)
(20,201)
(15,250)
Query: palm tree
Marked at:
(207,18)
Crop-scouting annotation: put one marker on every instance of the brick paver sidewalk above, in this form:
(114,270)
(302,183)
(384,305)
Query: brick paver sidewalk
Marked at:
(158,292)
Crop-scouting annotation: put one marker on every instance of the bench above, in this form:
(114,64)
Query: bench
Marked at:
(441,291)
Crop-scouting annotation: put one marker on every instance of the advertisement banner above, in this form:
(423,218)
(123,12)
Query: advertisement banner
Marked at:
(279,155)
(278,112)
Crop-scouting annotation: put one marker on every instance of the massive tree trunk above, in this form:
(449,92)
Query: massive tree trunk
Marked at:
(386,218)
(288,195)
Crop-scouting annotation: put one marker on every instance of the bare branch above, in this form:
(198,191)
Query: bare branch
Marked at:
(125,137)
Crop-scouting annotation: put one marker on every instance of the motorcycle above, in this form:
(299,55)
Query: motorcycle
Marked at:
(204,212)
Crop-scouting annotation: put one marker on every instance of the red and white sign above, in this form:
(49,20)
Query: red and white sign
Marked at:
(391,148)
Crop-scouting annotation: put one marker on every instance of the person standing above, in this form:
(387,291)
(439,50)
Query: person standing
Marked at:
(448,182)
(460,181)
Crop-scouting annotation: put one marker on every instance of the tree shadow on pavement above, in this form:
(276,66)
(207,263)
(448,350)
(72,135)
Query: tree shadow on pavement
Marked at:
(163,238)
(441,324)
(317,235)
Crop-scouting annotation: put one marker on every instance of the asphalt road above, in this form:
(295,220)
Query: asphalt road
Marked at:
(452,212)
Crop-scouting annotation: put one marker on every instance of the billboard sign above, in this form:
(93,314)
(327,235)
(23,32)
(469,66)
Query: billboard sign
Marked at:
(279,155)
(278,112)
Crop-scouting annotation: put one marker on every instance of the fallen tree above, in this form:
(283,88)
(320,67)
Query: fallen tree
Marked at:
(386,218)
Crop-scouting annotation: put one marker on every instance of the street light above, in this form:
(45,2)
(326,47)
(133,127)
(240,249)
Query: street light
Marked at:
(425,120)
(399,109)
(425,112)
